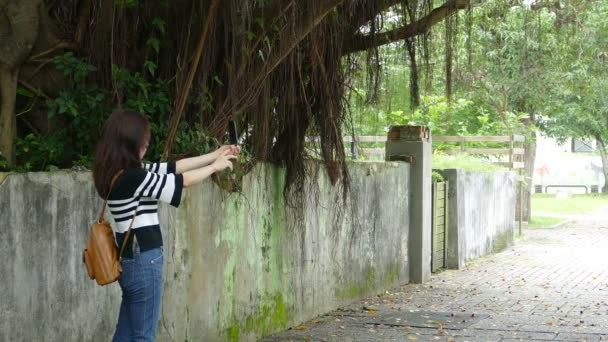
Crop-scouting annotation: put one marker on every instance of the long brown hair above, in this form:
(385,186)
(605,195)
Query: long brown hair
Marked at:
(123,135)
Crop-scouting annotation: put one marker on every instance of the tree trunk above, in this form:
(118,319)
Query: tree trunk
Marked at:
(530,156)
(18,32)
(8,122)
(602,148)
(414,89)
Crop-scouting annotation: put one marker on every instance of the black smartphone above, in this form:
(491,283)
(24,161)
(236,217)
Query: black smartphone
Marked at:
(232,135)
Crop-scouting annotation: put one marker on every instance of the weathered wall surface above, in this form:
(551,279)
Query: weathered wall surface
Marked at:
(237,266)
(481,213)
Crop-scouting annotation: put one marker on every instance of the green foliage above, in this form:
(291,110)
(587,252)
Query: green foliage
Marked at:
(578,106)
(82,108)
(500,73)
(437,177)
(41,152)
(466,162)
(4,166)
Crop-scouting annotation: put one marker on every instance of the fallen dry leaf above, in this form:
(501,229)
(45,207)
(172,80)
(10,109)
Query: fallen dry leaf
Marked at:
(301,327)
(412,337)
(371,312)
(549,323)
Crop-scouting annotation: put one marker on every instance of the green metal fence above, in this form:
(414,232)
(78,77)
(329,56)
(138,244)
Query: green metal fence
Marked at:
(439,225)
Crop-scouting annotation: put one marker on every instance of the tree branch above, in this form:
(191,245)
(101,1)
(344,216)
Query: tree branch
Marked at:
(362,16)
(359,42)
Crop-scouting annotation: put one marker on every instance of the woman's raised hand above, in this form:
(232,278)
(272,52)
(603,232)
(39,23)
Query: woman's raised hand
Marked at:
(232,149)
(199,168)
(223,161)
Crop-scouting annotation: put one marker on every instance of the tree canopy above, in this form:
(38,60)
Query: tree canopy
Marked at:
(278,67)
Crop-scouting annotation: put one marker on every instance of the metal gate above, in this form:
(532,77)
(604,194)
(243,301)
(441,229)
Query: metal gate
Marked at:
(439,225)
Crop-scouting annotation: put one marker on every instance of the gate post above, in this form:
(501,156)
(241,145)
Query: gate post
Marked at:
(413,144)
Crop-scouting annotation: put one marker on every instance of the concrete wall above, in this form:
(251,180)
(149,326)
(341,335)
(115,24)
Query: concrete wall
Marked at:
(237,265)
(481,213)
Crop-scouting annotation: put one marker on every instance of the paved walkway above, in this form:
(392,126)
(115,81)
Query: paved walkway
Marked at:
(552,285)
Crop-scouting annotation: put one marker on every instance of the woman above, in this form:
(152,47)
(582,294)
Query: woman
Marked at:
(134,200)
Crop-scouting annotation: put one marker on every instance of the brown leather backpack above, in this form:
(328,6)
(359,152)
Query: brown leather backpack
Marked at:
(100,256)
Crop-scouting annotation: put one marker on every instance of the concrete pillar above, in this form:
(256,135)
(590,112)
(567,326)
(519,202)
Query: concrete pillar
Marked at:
(455,258)
(413,144)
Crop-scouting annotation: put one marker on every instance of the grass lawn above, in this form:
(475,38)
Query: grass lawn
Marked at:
(544,222)
(575,204)
(460,161)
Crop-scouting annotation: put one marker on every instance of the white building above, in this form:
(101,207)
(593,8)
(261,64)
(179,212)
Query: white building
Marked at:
(574,162)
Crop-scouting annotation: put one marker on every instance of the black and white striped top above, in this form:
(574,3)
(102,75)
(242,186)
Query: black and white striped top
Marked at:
(143,188)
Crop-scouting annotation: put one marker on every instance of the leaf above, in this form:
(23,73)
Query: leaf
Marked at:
(218,81)
(260,21)
(159,23)
(24,92)
(301,327)
(371,312)
(154,43)
(151,67)
(412,337)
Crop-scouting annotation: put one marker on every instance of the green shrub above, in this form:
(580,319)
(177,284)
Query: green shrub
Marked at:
(437,177)
(81,108)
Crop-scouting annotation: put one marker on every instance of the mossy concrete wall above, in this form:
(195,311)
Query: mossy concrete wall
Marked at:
(237,265)
(481,209)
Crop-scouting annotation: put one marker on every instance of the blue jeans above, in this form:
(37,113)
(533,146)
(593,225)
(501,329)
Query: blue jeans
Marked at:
(141,282)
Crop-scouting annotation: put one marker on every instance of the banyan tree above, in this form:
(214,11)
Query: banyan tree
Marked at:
(279,68)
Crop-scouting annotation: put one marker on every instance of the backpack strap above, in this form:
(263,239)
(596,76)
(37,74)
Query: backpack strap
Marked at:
(124,242)
(103,211)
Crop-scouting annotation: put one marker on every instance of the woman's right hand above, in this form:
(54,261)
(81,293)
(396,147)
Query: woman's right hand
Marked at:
(223,161)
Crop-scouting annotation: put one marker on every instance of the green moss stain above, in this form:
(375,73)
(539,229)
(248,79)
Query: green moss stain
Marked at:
(233,333)
(279,317)
(392,274)
(255,255)
(360,287)
(370,283)
(502,241)
(249,323)
(266,319)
